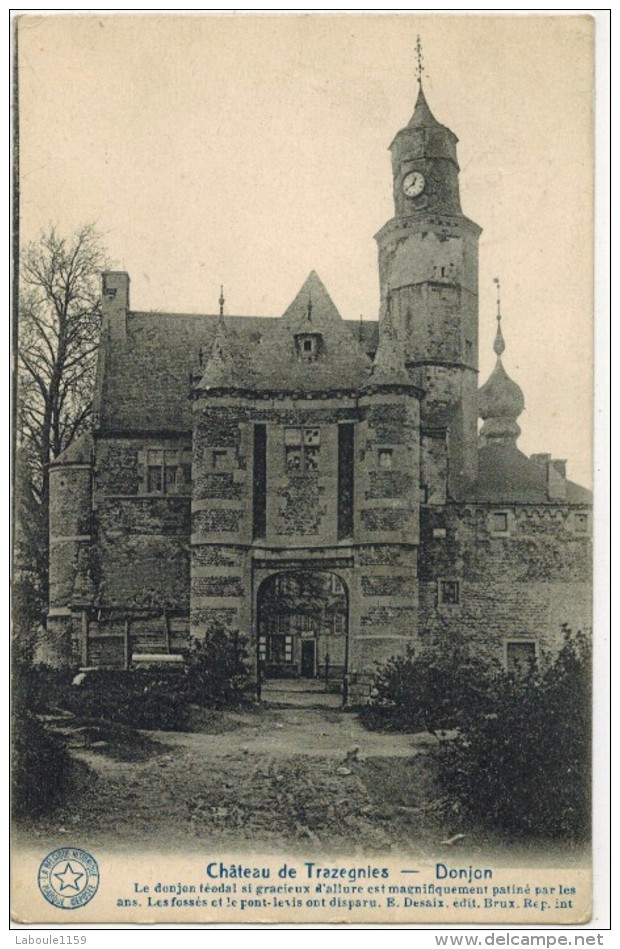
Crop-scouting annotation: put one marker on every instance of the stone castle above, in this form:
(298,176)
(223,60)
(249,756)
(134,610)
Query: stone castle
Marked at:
(319,487)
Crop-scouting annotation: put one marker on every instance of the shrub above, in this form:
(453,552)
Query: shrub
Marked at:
(437,689)
(217,673)
(41,688)
(215,676)
(525,768)
(143,698)
(40,767)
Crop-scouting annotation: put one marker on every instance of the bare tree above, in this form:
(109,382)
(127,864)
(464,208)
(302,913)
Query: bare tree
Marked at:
(58,335)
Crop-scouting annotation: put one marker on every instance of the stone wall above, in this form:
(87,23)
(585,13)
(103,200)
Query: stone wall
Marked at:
(523,584)
(143,553)
(428,267)
(140,559)
(302,511)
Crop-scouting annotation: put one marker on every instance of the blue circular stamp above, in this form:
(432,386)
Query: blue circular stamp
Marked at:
(68,877)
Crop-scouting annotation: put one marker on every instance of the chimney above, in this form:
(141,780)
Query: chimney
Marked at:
(115,303)
(556,475)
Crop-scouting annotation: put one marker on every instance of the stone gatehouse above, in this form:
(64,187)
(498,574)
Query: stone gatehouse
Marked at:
(319,487)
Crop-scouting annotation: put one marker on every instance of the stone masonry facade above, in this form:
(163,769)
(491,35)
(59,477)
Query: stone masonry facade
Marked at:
(318,488)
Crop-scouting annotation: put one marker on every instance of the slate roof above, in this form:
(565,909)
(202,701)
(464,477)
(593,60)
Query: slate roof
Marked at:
(423,125)
(500,396)
(147,380)
(273,361)
(145,383)
(79,452)
(422,116)
(507,476)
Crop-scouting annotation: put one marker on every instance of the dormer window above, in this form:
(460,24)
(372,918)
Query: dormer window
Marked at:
(309,346)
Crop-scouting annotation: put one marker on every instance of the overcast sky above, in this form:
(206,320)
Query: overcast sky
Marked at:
(249,149)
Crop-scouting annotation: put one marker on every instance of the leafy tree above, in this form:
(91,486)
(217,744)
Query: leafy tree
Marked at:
(57,340)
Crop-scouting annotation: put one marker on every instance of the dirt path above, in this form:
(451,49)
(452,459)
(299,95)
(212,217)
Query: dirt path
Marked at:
(323,733)
(268,778)
(265,780)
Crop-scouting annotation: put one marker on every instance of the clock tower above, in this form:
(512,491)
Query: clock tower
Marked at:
(428,271)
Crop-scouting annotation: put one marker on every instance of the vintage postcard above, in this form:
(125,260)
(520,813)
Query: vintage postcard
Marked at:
(303,527)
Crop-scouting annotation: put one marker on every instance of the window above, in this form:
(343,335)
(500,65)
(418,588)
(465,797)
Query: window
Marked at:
(439,533)
(499,522)
(262,648)
(385,457)
(154,479)
(423,494)
(580,523)
(259,501)
(309,346)
(345,480)
(520,657)
(449,592)
(281,648)
(219,459)
(302,446)
(168,471)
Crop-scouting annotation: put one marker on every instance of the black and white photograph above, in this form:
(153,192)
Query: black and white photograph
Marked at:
(302,617)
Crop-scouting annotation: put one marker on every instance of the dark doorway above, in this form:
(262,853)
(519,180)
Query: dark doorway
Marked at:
(302,622)
(308,650)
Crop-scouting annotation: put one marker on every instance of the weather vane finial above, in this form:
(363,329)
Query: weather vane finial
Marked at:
(499,345)
(222,301)
(499,298)
(419,59)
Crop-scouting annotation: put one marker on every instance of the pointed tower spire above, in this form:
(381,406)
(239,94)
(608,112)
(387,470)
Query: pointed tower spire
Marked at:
(219,371)
(422,116)
(500,400)
(389,363)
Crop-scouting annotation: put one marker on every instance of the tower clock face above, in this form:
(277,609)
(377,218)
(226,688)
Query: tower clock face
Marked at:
(413,184)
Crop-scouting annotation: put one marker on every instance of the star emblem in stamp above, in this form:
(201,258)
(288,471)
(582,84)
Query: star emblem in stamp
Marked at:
(68,877)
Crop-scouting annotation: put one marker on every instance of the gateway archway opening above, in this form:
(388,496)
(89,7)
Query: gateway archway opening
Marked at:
(302,626)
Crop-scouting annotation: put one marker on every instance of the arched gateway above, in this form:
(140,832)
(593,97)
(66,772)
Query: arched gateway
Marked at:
(302,625)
